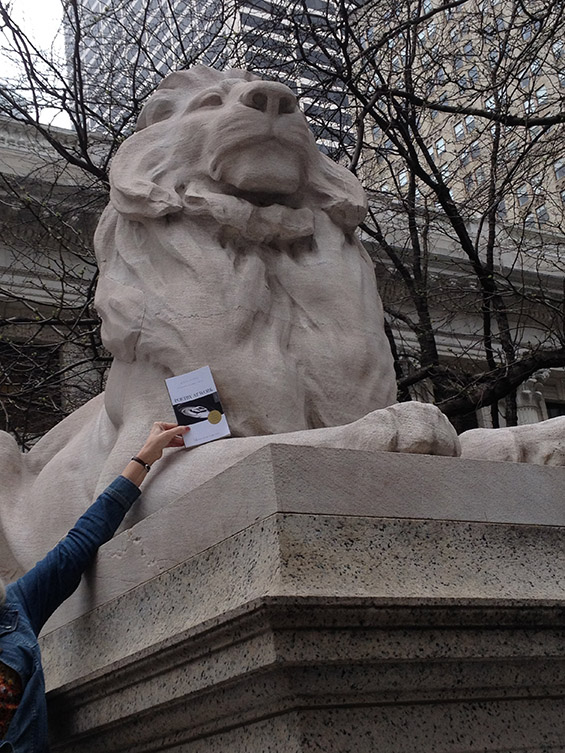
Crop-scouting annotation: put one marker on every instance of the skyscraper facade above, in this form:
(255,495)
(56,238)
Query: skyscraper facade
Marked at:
(127,47)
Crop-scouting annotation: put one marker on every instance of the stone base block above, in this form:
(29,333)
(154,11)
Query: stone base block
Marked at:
(327,608)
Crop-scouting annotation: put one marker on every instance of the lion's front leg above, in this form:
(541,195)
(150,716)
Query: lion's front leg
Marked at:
(410,427)
(541,444)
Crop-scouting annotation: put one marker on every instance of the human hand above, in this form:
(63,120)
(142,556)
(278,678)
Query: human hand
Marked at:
(161,435)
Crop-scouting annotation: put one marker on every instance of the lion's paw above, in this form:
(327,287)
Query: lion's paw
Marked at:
(541,444)
(410,427)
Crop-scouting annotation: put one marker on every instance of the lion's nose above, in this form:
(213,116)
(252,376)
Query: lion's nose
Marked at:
(269,97)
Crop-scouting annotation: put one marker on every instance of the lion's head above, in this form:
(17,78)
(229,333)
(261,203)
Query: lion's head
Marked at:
(228,133)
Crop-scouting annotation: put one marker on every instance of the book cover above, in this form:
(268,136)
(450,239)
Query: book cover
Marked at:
(197,404)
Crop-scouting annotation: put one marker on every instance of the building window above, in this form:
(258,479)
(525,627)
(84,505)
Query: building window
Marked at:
(459,131)
(542,214)
(475,149)
(465,157)
(442,100)
(470,123)
(501,209)
(530,220)
(523,195)
(402,178)
(480,175)
(468,50)
(559,168)
(541,94)
(440,146)
(25,408)
(529,29)
(468,182)
(555,409)
(537,184)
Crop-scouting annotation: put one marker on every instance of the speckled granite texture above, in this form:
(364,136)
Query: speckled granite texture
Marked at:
(330,603)
(317,481)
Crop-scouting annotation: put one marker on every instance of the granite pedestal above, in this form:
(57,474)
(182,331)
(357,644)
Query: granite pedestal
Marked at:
(311,599)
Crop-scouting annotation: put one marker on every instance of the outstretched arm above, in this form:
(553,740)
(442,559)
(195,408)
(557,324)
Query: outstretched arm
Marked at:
(161,435)
(41,590)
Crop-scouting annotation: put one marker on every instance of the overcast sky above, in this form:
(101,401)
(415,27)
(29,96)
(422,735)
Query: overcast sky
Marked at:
(42,17)
(41,20)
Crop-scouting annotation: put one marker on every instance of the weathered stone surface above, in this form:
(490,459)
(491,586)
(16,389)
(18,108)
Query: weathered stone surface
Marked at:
(325,606)
(541,443)
(328,482)
(229,242)
(291,674)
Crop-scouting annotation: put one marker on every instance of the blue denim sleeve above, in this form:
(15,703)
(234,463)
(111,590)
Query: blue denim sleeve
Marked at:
(46,586)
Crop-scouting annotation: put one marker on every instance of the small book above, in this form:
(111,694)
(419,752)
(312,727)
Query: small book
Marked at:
(197,404)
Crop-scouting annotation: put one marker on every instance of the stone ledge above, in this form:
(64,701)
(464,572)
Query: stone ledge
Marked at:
(324,556)
(317,481)
(287,664)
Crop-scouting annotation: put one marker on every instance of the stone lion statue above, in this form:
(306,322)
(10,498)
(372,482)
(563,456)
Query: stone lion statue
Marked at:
(229,242)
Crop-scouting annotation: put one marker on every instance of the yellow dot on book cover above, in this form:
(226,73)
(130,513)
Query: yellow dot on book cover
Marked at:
(214,417)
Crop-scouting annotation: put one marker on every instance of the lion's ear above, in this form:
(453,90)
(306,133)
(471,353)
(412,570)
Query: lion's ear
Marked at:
(338,192)
(160,106)
(138,187)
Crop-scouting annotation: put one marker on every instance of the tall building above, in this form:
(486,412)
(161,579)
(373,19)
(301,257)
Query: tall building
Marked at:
(459,150)
(127,47)
(491,56)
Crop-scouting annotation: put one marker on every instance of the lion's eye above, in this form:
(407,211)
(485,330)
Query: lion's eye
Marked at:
(211,100)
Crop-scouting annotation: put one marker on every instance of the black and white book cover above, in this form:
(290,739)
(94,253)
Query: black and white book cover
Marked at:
(197,404)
